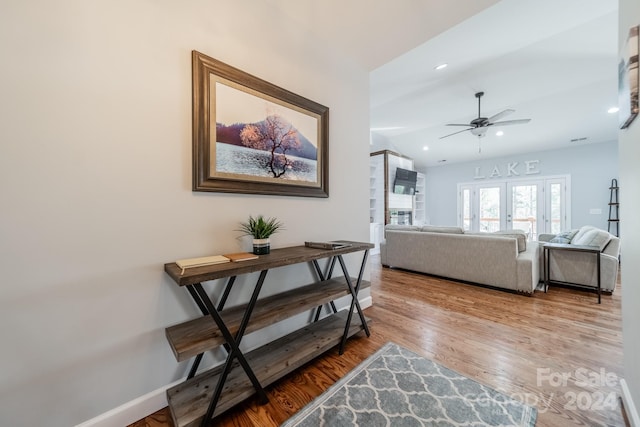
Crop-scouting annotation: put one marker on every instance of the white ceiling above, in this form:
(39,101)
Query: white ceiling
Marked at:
(373,32)
(553,61)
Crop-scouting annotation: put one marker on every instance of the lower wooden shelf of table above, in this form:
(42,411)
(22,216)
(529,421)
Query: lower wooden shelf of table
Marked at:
(201,334)
(189,401)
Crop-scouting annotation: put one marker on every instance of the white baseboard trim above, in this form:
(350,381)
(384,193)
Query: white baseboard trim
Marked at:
(138,408)
(629,407)
(134,410)
(365,302)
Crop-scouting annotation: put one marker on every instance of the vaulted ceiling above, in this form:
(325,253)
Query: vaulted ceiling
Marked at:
(554,62)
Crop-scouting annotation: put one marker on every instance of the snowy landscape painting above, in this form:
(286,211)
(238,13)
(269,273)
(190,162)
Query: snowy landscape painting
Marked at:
(258,138)
(253,137)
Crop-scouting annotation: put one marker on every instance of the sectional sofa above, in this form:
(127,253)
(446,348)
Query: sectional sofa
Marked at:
(503,260)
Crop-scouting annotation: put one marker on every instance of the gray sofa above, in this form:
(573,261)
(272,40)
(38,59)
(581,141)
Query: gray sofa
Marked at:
(500,260)
(579,267)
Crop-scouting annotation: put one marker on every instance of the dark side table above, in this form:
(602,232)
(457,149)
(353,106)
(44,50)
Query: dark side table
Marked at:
(548,247)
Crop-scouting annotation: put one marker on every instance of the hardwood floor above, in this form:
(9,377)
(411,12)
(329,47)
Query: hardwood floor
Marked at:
(559,351)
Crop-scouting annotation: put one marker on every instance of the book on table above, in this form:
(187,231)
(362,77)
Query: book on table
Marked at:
(201,261)
(334,244)
(241,256)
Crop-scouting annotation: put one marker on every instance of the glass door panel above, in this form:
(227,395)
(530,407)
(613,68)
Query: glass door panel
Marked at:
(556,206)
(489,202)
(466,210)
(525,213)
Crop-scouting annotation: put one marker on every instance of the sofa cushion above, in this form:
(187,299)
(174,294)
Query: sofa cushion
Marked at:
(593,237)
(442,229)
(581,232)
(518,234)
(564,237)
(401,227)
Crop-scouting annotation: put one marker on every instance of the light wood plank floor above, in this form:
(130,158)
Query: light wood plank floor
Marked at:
(560,351)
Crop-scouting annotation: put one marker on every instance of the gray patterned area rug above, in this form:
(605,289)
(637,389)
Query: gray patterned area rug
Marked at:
(396,387)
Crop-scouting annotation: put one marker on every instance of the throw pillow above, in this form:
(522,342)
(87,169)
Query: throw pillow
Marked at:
(581,232)
(564,237)
(593,237)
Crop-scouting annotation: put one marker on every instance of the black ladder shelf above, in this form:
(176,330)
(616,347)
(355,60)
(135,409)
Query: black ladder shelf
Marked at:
(613,209)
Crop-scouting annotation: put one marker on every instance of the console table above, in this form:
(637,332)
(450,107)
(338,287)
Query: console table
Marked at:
(207,394)
(548,247)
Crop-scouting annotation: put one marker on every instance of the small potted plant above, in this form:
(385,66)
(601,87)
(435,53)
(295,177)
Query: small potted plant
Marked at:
(261,229)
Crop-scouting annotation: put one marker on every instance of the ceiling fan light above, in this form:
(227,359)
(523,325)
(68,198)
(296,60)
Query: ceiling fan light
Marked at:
(479,131)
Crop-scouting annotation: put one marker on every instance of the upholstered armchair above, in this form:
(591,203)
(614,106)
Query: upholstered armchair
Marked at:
(580,267)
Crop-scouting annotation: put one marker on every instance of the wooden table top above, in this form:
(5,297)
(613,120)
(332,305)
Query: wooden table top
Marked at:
(277,258)
(570,247)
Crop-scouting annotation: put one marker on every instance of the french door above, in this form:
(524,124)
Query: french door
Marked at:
(481,207)
(556,208)
(525,207)
(534,206)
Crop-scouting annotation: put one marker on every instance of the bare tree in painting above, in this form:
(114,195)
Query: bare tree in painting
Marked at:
(275,135)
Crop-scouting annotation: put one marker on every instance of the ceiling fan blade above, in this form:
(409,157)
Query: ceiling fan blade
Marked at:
(460,131)
(500,115)
(457,124)
(511,122)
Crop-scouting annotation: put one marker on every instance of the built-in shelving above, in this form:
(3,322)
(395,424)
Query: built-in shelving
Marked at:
(419,203)
(376,190)
(389,207)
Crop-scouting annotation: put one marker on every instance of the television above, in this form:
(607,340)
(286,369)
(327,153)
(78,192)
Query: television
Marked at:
(405,182)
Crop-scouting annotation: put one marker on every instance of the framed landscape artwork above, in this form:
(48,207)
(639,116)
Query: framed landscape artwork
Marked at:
(628,79)
(250,136)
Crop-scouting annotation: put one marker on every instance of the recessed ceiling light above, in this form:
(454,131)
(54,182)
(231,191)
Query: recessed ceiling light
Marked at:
(425,148)
(613,110)
(499,133)
(440,67)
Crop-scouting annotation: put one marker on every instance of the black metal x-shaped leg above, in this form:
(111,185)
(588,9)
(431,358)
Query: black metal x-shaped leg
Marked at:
(203,309)
(323,277)
(232,343)
(354,299)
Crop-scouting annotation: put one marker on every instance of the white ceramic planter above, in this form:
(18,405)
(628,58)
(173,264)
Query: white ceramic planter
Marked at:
(261,246)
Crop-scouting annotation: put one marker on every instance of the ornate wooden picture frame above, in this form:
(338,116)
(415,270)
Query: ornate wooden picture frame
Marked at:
(250,136)
(629,79)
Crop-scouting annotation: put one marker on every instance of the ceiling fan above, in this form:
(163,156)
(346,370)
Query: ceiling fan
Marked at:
(480,125)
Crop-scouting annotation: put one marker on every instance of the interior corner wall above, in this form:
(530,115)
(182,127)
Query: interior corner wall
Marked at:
(591,166)
(95,177)
(629,12)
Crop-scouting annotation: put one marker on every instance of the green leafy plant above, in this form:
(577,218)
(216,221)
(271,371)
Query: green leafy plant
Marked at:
(260,227)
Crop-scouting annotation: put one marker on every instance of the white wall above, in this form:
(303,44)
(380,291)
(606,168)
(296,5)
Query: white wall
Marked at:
(95,179)
(629,140)
(591,166)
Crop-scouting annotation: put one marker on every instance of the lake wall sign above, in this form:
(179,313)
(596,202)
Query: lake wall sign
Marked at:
(528,167)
